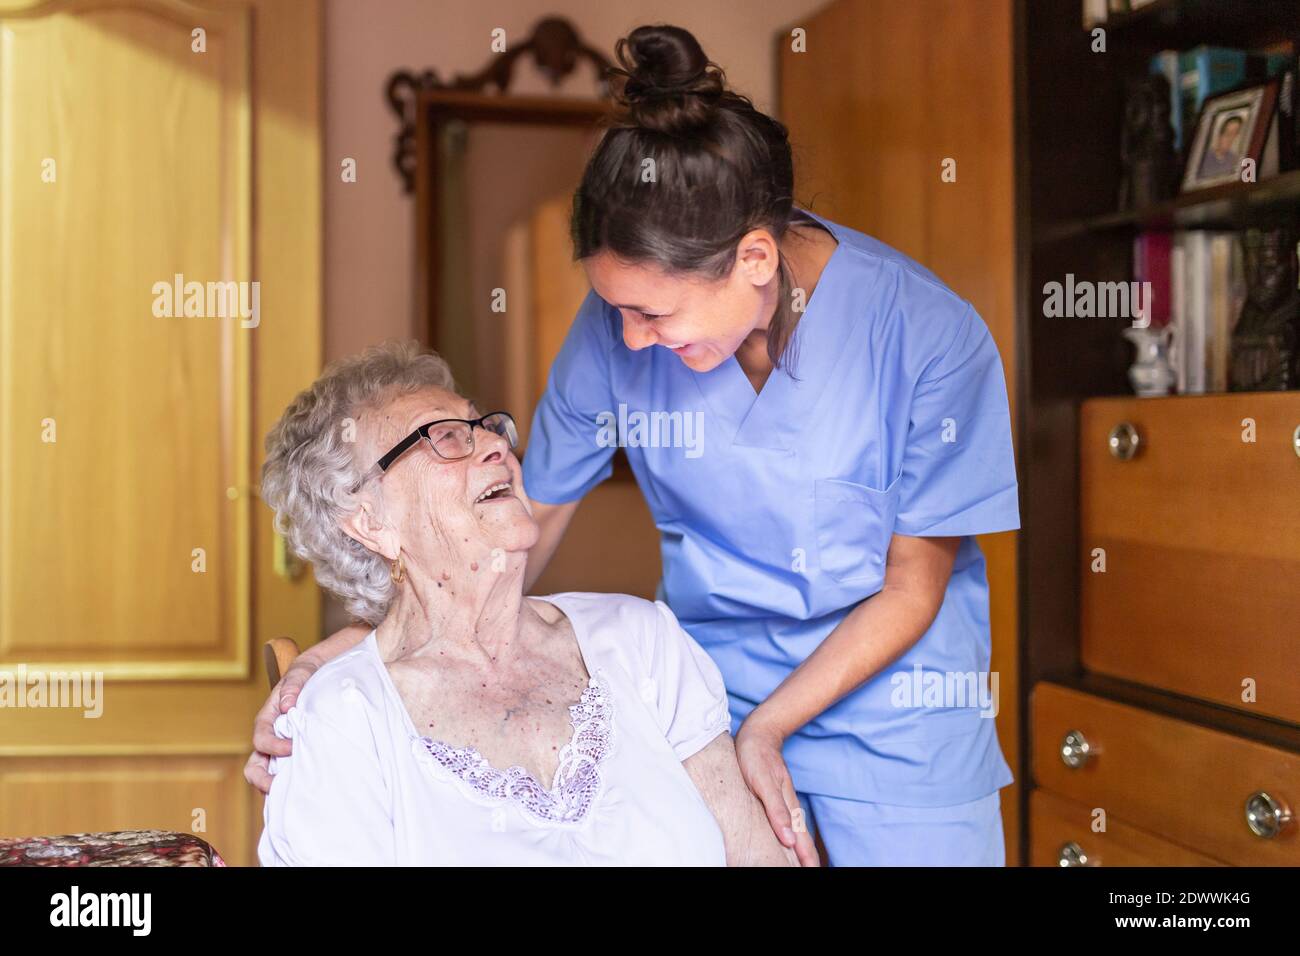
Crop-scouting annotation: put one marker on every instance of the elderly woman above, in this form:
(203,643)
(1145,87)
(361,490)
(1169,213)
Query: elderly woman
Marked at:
(472,724)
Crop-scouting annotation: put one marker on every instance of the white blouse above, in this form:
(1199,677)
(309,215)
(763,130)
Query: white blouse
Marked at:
(364,788)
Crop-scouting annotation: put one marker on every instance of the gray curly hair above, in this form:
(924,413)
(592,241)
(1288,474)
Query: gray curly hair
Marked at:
(311,475)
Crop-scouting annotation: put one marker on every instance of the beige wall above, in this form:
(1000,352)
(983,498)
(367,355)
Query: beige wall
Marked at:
(368,224)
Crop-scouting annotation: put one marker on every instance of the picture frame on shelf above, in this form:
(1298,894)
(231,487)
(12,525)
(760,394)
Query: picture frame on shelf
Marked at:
(1234,126)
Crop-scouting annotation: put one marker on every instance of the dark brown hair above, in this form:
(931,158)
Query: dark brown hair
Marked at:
(721,168)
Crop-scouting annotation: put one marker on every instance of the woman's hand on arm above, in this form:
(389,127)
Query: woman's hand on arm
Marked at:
(879,630)
(284,695)
(763,769)
(876,632)
(749,839)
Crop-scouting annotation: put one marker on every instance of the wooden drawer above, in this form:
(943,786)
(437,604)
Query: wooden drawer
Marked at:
(1180,781)
(1201,533)
(1055,823)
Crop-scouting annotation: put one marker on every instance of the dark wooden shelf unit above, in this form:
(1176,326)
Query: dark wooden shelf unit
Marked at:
(1069,108)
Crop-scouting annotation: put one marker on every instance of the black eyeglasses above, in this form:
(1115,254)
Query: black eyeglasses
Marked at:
(451,438)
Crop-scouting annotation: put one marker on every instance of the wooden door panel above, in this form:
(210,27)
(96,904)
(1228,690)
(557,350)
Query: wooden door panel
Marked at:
(133,548)
(121,430)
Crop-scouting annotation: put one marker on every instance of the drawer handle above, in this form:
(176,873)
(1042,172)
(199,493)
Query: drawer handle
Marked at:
(1295,440)
(1075,749)
(1124,441)
(1266,815)
(1071,855)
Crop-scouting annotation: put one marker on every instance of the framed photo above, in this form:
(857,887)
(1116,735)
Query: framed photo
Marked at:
(1232,126)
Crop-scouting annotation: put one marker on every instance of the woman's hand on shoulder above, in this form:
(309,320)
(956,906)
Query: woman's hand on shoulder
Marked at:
(284,695)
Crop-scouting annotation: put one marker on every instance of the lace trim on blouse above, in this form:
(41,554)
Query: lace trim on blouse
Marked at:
(577,777)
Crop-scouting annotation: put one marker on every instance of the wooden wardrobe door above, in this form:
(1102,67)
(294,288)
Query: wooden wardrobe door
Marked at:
(137,154)
(589,558)
(901,119)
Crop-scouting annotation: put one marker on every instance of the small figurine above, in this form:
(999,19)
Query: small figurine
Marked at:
(1266,340)
(1150,374)
(1150,173)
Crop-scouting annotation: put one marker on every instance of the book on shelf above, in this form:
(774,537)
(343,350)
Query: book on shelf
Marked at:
(1222,310)
(1094,13)
(1288,125)
(1151,255)
(1207,289)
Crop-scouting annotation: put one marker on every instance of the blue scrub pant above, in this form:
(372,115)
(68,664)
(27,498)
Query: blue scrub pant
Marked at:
(857,833)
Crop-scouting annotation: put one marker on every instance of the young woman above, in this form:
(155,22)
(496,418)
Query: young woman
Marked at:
(818,544)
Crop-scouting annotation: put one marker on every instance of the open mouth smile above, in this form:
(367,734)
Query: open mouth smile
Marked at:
(498,492)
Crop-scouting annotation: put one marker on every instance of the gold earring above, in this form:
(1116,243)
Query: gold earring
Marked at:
(397,571)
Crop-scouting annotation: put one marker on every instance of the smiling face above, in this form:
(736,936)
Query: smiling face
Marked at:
(436,510)
(1226,141)
(702,320)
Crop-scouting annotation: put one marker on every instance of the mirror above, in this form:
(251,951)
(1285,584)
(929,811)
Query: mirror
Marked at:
(503,233)
(493,175)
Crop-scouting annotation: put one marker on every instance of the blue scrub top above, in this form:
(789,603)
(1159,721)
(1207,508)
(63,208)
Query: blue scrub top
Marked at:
(775,518)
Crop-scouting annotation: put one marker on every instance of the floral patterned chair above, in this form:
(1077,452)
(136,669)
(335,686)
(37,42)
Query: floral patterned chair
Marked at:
(123,848)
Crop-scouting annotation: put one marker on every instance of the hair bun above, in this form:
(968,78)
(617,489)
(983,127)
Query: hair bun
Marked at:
(669,85)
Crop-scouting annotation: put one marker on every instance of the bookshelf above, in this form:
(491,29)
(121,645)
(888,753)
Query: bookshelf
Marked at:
(1069,110)
(1182,24)
(1230,206)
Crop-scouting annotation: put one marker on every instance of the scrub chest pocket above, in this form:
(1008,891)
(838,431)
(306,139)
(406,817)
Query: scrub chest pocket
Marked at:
(854,525)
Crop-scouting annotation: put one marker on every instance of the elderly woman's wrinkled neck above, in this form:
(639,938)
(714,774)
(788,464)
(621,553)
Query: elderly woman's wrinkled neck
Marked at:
(455,534)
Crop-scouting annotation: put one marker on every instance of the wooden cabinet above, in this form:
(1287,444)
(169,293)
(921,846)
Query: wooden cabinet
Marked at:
(1189,538)
(1189,560)
(1183,783)
(1160,542)
(1190,570)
